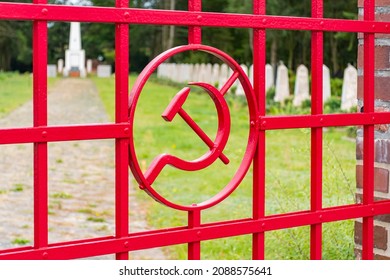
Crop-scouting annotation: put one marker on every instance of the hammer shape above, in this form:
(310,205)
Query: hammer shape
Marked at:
(176,104)
(175,107)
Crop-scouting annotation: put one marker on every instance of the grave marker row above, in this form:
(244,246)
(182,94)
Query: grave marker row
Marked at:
(218,75)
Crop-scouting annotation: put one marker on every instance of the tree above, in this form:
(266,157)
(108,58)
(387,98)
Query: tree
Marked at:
(147,41)
(342,46)
(168,32)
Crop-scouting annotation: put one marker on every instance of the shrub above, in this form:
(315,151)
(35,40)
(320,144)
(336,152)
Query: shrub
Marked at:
(336,85)
(332,105)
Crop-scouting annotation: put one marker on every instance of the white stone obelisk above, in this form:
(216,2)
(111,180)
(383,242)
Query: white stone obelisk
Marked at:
(75,56)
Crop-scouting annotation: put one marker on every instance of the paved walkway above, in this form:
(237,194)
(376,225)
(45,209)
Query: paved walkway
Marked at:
(81,176)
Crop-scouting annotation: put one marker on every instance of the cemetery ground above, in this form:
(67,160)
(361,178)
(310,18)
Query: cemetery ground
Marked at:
(287,171)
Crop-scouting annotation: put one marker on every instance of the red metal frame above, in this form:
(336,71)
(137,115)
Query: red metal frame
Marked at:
(124,242)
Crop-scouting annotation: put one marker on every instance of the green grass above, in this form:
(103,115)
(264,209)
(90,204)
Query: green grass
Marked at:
(96,219)
(20,241)
(18,188)
(15,90)
(287,175)
(61,195)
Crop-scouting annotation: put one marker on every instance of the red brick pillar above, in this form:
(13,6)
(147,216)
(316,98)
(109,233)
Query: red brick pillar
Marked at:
(382,134)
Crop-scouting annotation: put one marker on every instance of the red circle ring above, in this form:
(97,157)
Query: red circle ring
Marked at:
(252,137)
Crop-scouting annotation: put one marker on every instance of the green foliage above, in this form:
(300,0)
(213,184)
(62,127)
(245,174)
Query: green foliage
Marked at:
(20,241)
(306,104)
(351,132)
(332,105)
(147,41)
(58,40)
(336,85)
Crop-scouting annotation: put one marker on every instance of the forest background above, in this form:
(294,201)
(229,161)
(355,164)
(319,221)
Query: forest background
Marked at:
(147,41)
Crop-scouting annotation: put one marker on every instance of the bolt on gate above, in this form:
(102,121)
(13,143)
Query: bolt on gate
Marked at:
(39,12)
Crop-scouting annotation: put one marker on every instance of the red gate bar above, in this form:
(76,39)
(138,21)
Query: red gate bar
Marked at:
(40,42)
(325,120)
(194,217)
(64,133)
(180,235)
(259,60)
(368,131)
(317,53)
(194,32)
(123,241)
(121,144)
(194,222)
(14,11)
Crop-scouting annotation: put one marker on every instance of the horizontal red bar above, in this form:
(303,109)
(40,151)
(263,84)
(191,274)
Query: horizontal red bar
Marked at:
(328,120)
(181,235)
(63,133)
(15,11)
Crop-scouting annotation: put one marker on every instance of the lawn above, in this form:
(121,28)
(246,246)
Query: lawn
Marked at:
(287,175)
(15,90)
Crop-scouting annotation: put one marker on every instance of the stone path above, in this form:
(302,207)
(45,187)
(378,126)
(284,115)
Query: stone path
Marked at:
(81,176)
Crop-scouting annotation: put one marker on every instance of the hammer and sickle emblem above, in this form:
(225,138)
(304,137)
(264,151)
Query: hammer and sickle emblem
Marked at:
(216,147)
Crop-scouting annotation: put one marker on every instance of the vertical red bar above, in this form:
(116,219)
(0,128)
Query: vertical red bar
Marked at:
(40,119)
(194,220)
(259,59)
(194,217)
(368,137)
(121,145)
(316,133)
(194,32)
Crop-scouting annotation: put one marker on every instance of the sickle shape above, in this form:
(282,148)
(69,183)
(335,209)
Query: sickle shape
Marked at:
(216,147)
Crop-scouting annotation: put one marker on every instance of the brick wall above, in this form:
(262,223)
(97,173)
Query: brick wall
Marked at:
(382,134)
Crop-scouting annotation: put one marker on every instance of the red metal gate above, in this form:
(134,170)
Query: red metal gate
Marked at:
(122,243)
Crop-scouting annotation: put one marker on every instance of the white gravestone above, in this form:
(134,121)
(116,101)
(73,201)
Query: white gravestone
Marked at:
(240,90)
(60,66)
(301,89)
(165,71)
(177,77)
(202,73)
(215,75)
(250,74)
(89,66)
(51,70)
(168,71)
(349,90)
(75,56)
(282,90)
(223,75)
(186,68)
(196,73)
(161,70)
(234,87)
(209,73)
(269,77)
(171,71)
(190,72)
(325,83)
(104,71)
